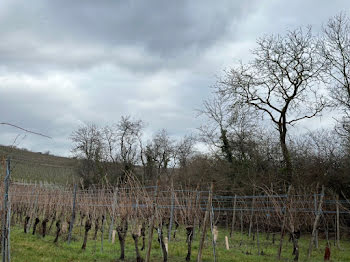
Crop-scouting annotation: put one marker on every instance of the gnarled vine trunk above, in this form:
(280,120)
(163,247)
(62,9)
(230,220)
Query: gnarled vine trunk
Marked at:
(162,243)
(176,227)
(44,225)
(138,255)
(37,220)
(122,230)
(189,232)
(26,221)
(58,230)
(143,234)
(97,224)
(294,238)
(87,229)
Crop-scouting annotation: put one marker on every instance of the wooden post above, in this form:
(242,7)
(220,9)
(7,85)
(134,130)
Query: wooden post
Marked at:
(318,214)
(114,232)
(5,213)
(171,210)
(204,229)
(257,234)
(241,224)
(251,216)
(214,231)
(115,200)
(226,243)
(335,230)
(316,233)
(150,233)
(8,246)
(233,216)
(166,244)
(73,214)
(327,233)
(102,231)
(338,226)
(283,226)
(8,252)
(195,218)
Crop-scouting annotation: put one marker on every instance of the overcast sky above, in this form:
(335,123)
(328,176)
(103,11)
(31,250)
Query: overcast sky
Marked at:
(65,63)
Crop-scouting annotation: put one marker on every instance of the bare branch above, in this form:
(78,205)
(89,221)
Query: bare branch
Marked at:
(26,130)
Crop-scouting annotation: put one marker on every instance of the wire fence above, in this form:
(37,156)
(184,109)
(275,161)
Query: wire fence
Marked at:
(70,213)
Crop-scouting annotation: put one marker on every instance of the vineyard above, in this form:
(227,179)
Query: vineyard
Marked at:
(203,224)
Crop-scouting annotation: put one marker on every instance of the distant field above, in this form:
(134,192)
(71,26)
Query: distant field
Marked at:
(28,248)
(39,167)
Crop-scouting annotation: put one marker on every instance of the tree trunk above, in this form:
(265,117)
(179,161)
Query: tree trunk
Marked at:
(44,225)
(37,220)
(226,147)
(58,230)
(162,243)
(82,216)
(87,228)
(26,221)
(143,234)
(138,255)
(285,152)
(176,227)
(52,221)
(97,224)
(189,240)
(295,246)
(122,230)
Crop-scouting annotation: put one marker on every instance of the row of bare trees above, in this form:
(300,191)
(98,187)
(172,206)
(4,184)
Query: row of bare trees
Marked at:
(249,132)
(111,152)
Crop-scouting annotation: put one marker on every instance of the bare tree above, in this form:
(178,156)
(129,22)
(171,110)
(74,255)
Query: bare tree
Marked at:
(230,127)
(158,154)
(184,150)
(109,136)
(87,142)
(88,145)
(128,132)
(121,143)
(281,82)
(336,51)
(214,133)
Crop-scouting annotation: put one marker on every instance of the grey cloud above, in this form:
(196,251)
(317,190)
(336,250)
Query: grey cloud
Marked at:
(63,63)
(74,34)
(162,27)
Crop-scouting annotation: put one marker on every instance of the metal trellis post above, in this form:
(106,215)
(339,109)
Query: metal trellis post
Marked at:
(73,214)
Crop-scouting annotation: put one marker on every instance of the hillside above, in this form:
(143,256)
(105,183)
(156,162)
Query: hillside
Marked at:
(36,166)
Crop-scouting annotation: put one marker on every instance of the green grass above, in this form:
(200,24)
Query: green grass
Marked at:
(28,248)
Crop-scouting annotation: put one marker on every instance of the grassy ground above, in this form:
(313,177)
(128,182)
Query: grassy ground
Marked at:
(39,167)
(29,248)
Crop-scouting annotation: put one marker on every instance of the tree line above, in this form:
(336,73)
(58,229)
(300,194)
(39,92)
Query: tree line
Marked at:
(291,78)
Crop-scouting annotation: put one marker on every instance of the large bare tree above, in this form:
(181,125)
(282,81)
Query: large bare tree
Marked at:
(89,147)
(128,132)
(87,142)
(158,155)
(121,142)
(281,82)
(184,150)
(336,50)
